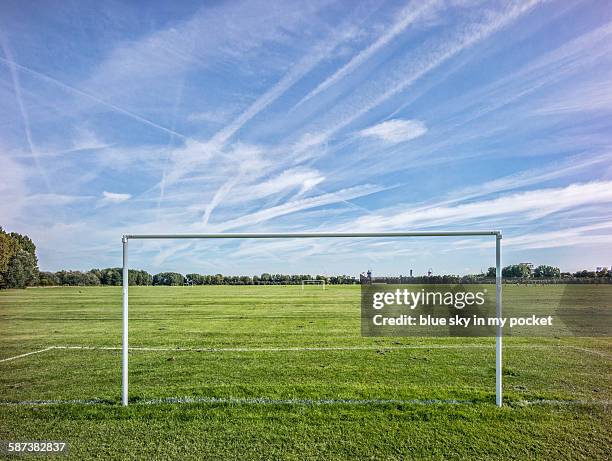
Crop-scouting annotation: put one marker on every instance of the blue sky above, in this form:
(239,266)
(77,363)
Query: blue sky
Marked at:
(140,117)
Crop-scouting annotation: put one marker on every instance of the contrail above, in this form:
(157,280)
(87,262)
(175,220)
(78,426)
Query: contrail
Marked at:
(476,33)
(10,62)
(93,98)
(297,72)
(408,16)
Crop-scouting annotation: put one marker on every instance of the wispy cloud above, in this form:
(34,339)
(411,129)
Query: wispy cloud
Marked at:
(218,197)
(169,251)
(321,51)
(470,35)
(115,197)
(525,206)
(395,131)
(302,179)
(571,59)
(591,97)
(407,16)
(55,200)
(216,143)
(418,64)
(216,116)
(529,177)
(572,236)
(299,205)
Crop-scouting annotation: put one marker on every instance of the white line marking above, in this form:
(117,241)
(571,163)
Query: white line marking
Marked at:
(304,402)
(26,354)
(560,402)
(311,349)
(591,351)
(334,348)
(281,349)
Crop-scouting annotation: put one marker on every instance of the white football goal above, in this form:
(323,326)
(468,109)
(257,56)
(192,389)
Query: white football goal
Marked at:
(498,281)
(316,282)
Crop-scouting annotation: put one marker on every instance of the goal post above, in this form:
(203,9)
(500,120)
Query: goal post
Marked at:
(498,279)
(320,282)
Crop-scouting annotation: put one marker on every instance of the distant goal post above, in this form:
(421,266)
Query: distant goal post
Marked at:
(319,282)
(476,233)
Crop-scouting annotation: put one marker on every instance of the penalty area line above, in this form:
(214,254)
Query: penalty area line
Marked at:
(8,359)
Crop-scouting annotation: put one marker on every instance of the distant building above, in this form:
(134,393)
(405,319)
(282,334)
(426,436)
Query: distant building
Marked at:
(366,278)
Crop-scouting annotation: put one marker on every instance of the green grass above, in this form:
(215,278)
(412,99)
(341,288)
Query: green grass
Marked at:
(293,404)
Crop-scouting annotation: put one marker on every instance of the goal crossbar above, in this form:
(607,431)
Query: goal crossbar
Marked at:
(477,233)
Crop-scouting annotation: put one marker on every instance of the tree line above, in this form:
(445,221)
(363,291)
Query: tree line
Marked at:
(114,276)
(19,269)
(512,273)
(528,271)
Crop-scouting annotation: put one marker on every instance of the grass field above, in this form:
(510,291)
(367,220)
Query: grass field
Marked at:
(279,372)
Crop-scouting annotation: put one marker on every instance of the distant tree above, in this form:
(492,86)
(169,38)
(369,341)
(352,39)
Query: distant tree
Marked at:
(522,270)
(90,279)
(276,279)
(491,272)
(111,276)
(8,249)
(24,242)
(137,277)
(18,263)
(544,271)
(48,279)
(22,270)
(585,274)
(472,278)
(61,276)
(77,278)
(195,279)
(168,278)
